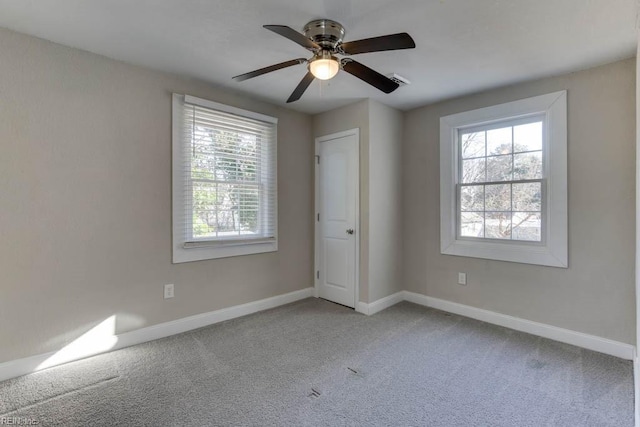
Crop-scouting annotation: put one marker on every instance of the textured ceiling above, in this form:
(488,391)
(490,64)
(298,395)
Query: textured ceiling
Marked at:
(463,46)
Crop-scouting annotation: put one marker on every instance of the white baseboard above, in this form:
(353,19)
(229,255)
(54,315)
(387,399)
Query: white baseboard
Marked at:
(379,305)
(636,387)
(579,339)
(16,368)
(362,307)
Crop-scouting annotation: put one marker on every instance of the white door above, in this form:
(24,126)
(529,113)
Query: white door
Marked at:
(337,221)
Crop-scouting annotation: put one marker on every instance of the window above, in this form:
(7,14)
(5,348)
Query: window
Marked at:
(503,192)
(499,191)
(224,181)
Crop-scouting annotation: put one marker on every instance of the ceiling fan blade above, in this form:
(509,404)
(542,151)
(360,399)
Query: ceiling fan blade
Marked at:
(293,35)
(377,44)
(265,70)
(368,75)
(302,86)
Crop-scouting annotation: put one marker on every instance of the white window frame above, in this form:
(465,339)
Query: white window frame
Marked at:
(184,249)
(553,249)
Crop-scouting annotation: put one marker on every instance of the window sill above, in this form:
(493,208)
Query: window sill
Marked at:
(508,251)
(199,253)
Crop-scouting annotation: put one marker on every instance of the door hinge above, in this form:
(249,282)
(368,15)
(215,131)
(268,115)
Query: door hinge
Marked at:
(318,274)
(318,217)
(317,159)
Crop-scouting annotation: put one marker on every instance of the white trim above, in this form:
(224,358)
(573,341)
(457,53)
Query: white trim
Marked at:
(379,305)
(16,368)
(316,221)
(362,307)
(636,388)
(636,365)
(579,339)
(553,252)
(318,227)
(189,99)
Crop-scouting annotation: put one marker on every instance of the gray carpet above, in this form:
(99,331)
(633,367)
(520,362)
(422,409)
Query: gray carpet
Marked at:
(319,364)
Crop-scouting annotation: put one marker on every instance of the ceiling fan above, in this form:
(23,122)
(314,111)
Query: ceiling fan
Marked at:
(323,37)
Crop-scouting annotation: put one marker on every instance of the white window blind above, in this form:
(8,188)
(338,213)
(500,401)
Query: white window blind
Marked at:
(226,173)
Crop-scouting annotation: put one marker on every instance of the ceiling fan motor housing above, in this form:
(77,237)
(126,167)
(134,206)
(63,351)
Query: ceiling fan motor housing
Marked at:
(325,32)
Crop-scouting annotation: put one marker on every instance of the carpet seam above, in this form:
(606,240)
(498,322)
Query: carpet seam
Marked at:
(57,396)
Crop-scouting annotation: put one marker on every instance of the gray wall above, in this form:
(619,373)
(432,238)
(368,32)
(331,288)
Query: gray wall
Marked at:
(595,294)
(85,188)
(385,201)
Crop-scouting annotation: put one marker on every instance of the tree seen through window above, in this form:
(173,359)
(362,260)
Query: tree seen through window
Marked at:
(226,184)
(500,191)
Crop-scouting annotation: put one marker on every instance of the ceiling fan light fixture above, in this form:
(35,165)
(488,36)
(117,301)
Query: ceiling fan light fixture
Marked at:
(325,66)
(324,38)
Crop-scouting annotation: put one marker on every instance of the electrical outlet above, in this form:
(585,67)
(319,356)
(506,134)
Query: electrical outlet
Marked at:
(168,291)
(462,278)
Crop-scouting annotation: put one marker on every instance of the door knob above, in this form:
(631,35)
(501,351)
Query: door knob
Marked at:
(350,231)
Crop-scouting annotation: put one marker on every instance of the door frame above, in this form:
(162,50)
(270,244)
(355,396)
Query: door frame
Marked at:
(317,223)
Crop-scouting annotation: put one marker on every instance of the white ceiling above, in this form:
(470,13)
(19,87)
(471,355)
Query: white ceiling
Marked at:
(463,46)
